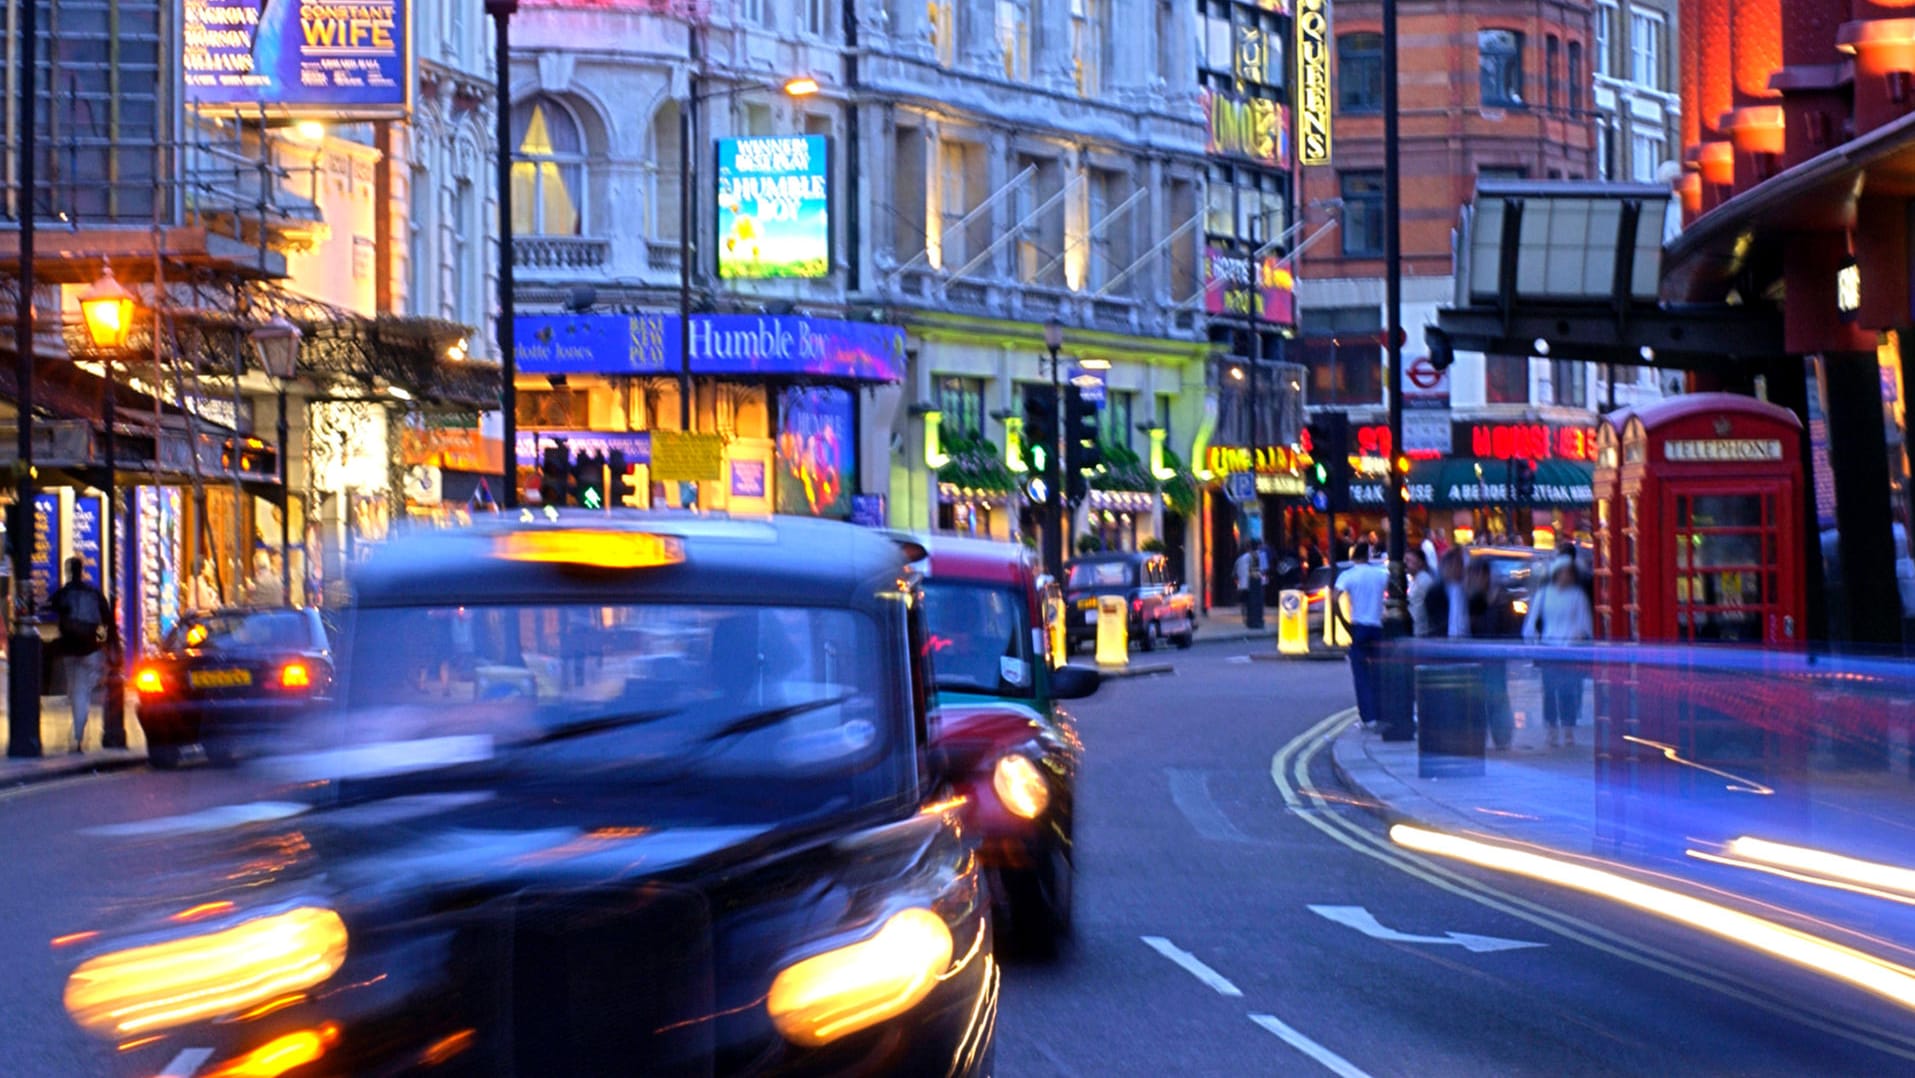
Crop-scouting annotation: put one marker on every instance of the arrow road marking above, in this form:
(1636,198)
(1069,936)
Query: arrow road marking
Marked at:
(1365,922)
(1193,966)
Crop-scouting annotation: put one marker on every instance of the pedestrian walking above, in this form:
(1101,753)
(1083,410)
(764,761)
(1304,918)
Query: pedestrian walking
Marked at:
(1364,583)
(1250,569)
(1560,615)
(1447,601)
(1422,583)
(1489,618)
(85,627)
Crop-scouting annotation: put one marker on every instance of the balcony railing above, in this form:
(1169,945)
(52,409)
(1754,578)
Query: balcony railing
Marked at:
(562,253)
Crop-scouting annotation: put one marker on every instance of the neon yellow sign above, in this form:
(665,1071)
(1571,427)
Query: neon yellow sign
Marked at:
(1313,82)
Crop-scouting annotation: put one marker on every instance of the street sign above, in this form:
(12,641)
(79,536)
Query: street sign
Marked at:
(1089,383)
(680,457)
(1240,487)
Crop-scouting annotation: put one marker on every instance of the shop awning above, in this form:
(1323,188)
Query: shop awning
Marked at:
(1454,483)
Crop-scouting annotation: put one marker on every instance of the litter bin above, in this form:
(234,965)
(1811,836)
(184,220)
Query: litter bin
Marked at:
(1451,720)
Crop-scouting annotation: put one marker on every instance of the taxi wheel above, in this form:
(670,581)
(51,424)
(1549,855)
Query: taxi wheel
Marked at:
(1152,637)
(1041,904)
(163,757)
(1184,639)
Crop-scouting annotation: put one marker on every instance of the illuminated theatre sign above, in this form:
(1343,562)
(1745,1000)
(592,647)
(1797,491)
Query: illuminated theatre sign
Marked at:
(1313,82)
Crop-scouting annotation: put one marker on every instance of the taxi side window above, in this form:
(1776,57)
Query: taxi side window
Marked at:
(919,646)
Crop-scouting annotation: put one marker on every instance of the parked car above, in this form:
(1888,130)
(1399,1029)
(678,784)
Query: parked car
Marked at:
(674,809)
(1001,720)
(224,678)
(1160,610)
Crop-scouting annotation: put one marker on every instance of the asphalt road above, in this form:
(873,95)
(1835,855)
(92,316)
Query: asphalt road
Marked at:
(1197,950)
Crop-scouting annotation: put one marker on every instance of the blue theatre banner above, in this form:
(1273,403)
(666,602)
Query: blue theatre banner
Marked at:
(788,345)
(332,59)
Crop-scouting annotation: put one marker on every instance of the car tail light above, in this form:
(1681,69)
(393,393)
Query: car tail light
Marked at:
(147,681)
(295,675)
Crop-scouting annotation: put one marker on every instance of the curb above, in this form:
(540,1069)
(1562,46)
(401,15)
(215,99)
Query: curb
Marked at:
(1133,670)
(1368,800)
(50,769)
(1318,656)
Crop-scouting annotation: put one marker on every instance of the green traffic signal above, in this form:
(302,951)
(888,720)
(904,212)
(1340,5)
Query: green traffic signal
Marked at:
(1323,474)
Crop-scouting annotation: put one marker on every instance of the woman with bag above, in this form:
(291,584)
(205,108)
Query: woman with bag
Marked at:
(1560,615)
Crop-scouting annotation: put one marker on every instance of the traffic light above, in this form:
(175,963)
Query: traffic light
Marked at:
(588,480)
(1082,448)
(1525,482)
(1040,425)
(554,474)
(620,492)
(1330,448)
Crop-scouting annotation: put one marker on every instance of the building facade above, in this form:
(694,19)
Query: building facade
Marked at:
(990,167)
(1519,105)
(1638,111)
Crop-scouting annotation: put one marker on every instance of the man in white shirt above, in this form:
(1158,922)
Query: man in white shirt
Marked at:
(1365,583)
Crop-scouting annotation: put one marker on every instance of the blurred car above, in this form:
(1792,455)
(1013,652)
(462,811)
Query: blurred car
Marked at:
(670,811)
(1159,609)
(1014,749)
(1510,572)
(223,678)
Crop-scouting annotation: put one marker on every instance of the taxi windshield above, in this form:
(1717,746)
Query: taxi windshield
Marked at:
(244,629)
(790,702)
(979,638)
(1100,574)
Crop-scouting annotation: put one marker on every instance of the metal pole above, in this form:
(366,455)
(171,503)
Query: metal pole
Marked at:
(113,703)
(1054,546)
(285,506)
(853,162)
(685,253)
(23,666)
(1253,602)
(1397,719)
(502,12)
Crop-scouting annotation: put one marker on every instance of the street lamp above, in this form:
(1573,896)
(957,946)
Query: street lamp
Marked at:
(278,344)
(798,86)
(1054,456)
(23,650)
(502,12)
(107,309)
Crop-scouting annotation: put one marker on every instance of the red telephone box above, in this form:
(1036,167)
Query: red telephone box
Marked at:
(1705,545)
(1712,541)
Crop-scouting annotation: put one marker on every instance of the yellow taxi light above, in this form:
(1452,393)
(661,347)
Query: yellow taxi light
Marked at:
(827,996)
(163,985)
(281,1054)
(1021,786)
(597,549)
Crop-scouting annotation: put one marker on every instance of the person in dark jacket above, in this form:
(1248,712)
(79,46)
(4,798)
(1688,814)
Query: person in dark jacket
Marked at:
(85,621)
(1489,619)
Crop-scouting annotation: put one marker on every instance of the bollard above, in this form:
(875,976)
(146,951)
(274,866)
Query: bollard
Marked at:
(1336,633)
(1293,623)
(1060,639)
(1113,631)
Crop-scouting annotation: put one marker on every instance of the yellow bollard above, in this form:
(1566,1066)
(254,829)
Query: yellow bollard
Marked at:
(1293,623)
(1336,634)
(1060,642)
(1113,631)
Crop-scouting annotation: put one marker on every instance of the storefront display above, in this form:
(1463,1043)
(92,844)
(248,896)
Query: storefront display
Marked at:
(817,468)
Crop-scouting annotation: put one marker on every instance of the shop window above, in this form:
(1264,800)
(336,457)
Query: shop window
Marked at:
(1014,37)
(1552,52)
(1645,49)
(1569,382)
(1360,73)
(1362,213)
(1113,420)
(1090,44)
(1500,57)
(944,18)
(1605,36)
(548,170)
(1344,355)
(1506,379)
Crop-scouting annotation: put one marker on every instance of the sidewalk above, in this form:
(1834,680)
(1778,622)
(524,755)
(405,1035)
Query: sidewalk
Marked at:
(56,742)
(1552,798)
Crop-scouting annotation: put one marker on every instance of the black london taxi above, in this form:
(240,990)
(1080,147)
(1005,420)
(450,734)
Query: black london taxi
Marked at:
(605,795)
(223,677)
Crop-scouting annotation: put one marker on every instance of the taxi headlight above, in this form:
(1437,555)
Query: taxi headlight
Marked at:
(162,985)
(1021,786)
(819,999)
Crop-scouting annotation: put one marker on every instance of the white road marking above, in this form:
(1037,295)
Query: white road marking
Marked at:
(186,1063)
(1332,1062)
(1240,660)
(1190,792)
(1365,922)
(1193,966)
(218,818)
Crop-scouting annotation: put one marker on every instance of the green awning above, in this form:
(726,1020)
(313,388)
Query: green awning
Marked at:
(1452,483)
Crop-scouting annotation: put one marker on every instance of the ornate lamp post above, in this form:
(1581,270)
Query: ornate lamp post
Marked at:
(278,344)
(107,308)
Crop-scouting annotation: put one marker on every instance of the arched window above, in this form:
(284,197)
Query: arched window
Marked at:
(548,170)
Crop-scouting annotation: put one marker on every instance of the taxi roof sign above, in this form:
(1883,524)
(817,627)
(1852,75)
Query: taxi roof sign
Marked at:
(592,548)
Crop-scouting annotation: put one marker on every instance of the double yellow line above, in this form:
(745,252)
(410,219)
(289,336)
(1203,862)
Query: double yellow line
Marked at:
(1290,770)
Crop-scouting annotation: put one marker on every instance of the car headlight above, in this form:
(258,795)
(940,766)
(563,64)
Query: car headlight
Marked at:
(819,999)
(162,985)
(1021,786)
